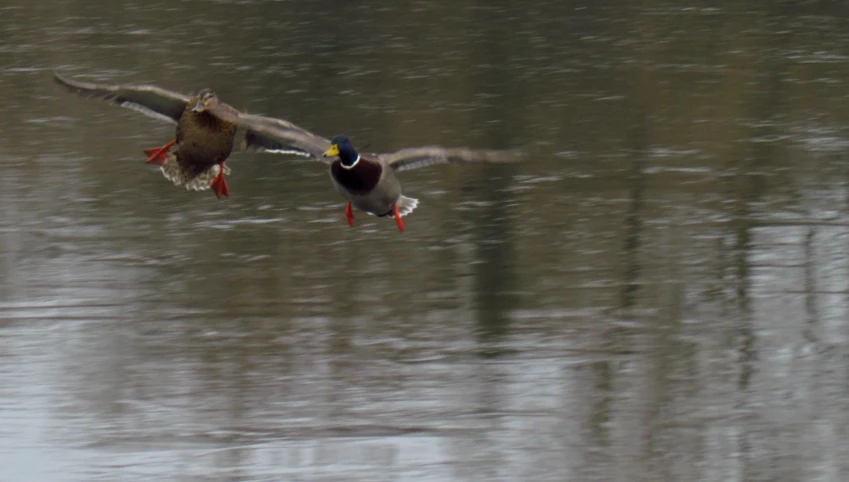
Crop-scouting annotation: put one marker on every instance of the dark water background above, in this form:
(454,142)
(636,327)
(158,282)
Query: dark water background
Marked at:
(659,293)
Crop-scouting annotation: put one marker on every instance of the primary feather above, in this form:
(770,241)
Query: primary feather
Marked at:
(416,157)
(148,99)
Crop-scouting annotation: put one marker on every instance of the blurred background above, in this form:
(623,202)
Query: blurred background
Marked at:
(658,293)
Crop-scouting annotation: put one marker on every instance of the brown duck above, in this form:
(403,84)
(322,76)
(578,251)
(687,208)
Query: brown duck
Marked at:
(207,130)
(368,181)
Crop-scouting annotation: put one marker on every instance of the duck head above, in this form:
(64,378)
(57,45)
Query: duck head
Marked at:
(206,99)
(341,146)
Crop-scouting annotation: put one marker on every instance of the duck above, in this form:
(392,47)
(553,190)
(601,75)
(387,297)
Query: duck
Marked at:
(206,134)
(368,181)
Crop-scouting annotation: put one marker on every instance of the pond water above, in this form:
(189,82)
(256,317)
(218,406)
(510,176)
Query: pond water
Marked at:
(658,292)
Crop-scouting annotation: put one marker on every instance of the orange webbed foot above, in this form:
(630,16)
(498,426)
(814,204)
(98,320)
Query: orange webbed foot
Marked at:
(398,220)
(159,154)
(219,184)
(349,214)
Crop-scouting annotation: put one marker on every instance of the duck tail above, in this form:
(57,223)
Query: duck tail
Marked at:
(174,171)
(406,205)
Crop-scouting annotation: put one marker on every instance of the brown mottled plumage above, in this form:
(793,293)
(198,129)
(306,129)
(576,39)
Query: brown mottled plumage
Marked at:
(204,141)
(207,131)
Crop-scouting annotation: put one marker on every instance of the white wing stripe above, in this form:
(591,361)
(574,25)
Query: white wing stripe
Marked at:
(285,151)
(148,112)
(417,163)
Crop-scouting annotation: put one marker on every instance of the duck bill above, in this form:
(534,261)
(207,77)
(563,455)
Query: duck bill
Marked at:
(199,107)
(332,152)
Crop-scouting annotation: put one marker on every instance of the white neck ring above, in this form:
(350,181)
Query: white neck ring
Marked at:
(352,164)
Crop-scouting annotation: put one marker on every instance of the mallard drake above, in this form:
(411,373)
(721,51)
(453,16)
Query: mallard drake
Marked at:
(207,130)
(368,181)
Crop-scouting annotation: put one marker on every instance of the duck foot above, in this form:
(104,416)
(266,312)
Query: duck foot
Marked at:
(349,214)
(219,184)
(398,220)
(159,154)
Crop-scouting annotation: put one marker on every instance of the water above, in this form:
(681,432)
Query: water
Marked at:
(658,292)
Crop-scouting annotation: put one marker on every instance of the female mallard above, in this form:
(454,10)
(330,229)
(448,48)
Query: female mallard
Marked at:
(207,129)
(368,181)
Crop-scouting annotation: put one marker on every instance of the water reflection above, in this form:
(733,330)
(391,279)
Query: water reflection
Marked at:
(657,294)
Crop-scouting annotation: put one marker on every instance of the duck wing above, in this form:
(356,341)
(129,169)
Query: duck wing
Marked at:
(148,99)
(279,136)
(416,157)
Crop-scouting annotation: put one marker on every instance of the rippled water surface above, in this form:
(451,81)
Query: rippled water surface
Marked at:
(659,292)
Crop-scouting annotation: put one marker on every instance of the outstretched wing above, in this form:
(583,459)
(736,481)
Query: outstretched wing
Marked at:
(279,136)
(415,157)
(148,99)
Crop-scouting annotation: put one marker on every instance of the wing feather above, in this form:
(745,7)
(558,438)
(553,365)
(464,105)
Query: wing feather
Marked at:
(150,100)
(416,157)
(273,135)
